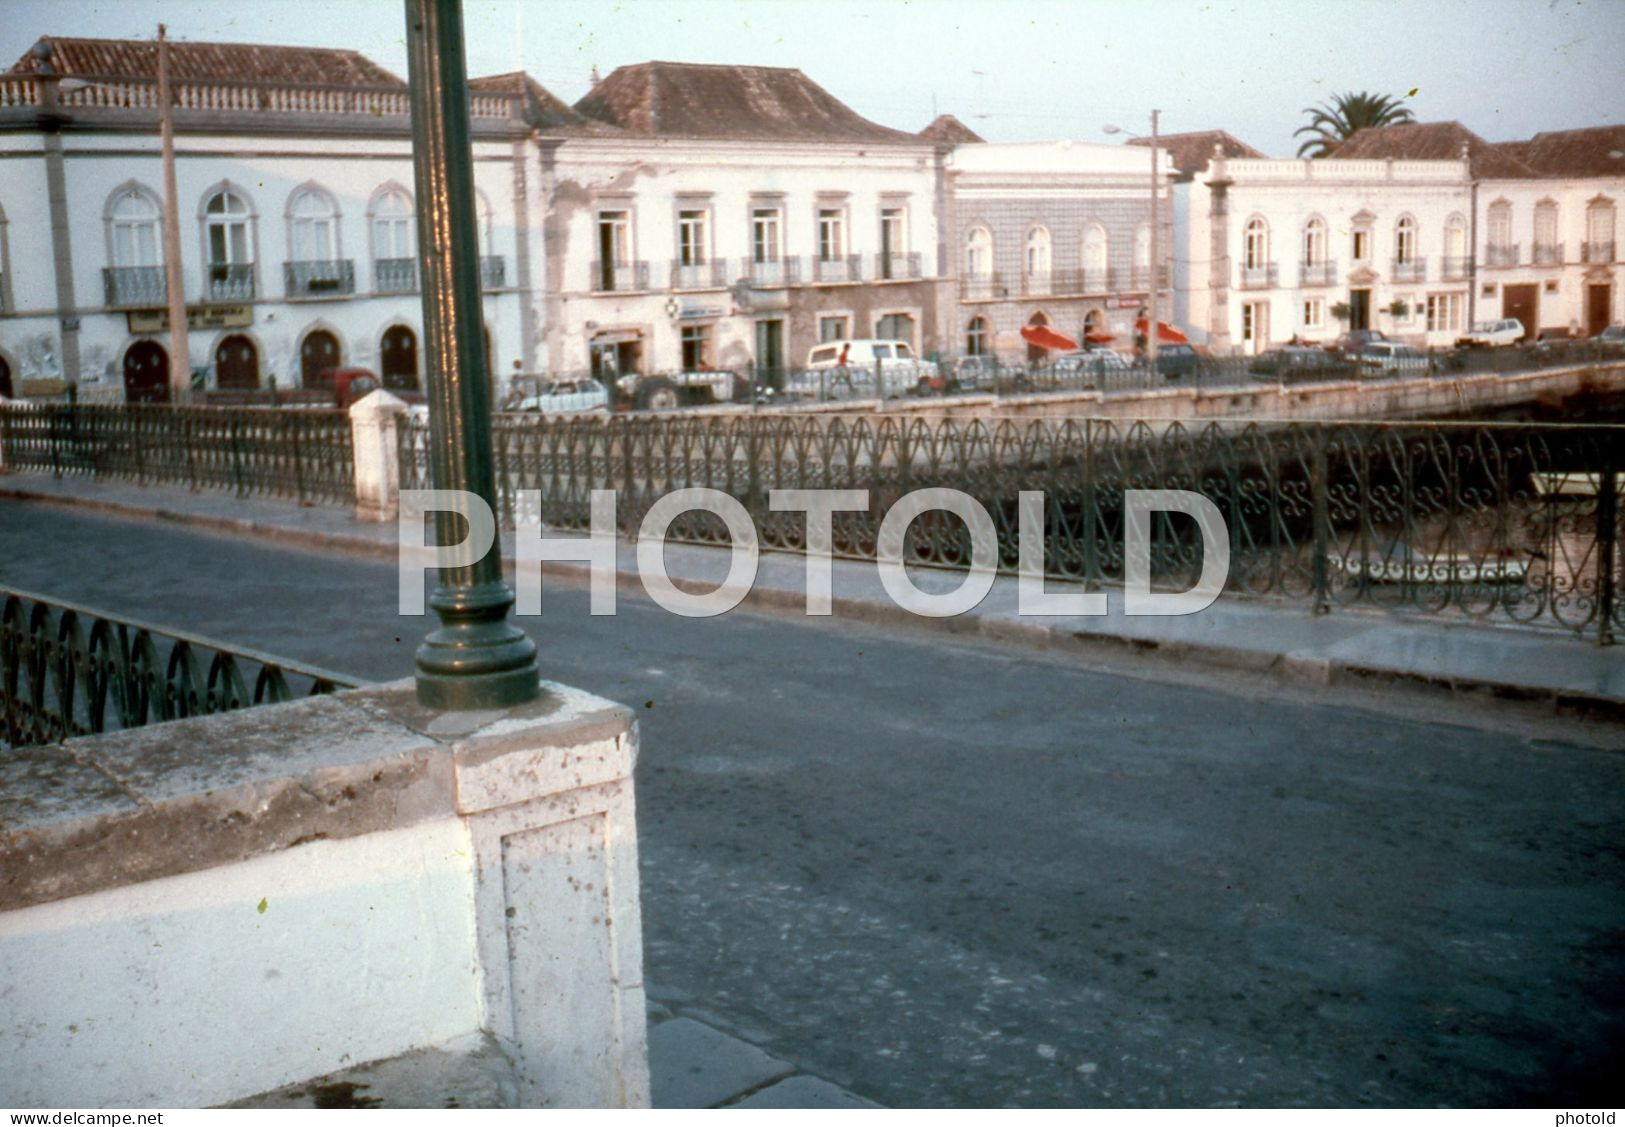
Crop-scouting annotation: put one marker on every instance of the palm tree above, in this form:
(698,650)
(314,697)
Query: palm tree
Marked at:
(1336,121)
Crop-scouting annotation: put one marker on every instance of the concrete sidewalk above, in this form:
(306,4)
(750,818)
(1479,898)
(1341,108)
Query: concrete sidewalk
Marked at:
(1259,635)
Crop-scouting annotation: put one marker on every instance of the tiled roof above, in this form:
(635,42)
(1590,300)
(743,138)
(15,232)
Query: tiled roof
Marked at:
(1191,152)
(1434,140)
(728,103)
(1599,151)
(206,62)
(949,130)
(543,111)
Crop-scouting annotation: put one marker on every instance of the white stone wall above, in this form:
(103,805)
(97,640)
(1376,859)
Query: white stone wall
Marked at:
(1562,286)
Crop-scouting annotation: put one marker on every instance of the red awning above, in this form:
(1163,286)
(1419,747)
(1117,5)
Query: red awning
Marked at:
(1045,337)
(1099,338)
(1166,333)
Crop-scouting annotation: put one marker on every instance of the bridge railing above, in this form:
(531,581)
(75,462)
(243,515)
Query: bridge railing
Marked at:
(68,670)
(1511,522)
(304,455)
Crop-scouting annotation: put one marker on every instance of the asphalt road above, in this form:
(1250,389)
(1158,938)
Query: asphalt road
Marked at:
(943,873)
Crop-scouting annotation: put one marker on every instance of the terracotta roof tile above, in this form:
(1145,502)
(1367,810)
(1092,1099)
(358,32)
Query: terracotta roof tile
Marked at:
(949,130)
(203,62)
(1598,151)
(661,99)
(543,111)
(1434,140)
(1191,152)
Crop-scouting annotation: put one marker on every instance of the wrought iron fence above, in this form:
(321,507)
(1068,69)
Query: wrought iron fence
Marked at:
(1517,522)
(68,670)
(304,454)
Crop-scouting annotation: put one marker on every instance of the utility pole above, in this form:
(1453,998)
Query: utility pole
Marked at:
(1153,312)
(180,362)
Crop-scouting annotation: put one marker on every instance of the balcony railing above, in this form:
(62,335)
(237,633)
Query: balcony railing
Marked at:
(1323,273)
(1502,254)
(1142,277)
(233,281)
(134,285)
(493,272)
(1255,277)
(847,268)
(1095,279)
(774,271)
(622,277)
(395,275)
(1455,269)
(1597,252)
(711,275)
(981,287)
(1410,270)
(1037,285)
(1547,254)
(328,277)
(897,265)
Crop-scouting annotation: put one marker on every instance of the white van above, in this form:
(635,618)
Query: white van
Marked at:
(840,368)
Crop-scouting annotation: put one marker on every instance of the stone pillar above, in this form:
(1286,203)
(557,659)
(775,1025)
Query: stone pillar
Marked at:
(374,425)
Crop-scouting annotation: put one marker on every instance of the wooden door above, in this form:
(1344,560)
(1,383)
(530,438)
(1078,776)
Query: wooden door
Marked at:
(398,359)
(146,373)
(318,356)
(1522,302)
(237,363)
(1599,308)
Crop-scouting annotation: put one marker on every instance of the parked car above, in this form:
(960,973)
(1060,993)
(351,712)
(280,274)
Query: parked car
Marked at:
(1176,360)
(1390,358)
(975,373)
(1611,341)
(1353,341)
(1088,365)
(849,367)
(1297,363)
(1504,333)
(561,396)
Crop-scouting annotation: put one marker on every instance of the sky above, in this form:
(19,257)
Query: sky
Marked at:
(1013,70)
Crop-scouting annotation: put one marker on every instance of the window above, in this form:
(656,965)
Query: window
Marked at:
(614,238)
(1360,244)
(979,253)
(1455,247)
(1599,230)
(1499,232)
(691,248)
(831,234)
(1255,325)
(1314,242)
(1037,260)
(227,225)
(1547,251)
(696,348)
(893,231)
(1314,313)
(895,326)
(1095,250)
(135,229)
(1405,240)
(764,234)
(833,328)
(393,226)
(1255,253)
(1444,312)
(976,337)
(313,226)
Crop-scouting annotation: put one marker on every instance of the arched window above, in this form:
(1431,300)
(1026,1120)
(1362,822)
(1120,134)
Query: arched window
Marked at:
(1405,241)
(976,337)
(312,226)
(1599,230)
(1256,245)
(1036,264)
(1094,326)
(1035,354)
(226,219)
(392,225)
(134,218)
(1548,251)
(1314,242)
(1095,251)
(1455,247)
(1500,249)
(979,253)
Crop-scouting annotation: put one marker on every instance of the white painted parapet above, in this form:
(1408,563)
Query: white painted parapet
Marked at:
(374,420)
(196,912)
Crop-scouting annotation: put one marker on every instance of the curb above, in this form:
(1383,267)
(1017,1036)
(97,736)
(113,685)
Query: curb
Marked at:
(1291,666)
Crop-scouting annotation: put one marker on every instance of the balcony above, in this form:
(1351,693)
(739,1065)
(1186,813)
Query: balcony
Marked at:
(622,277)
(1501,254)
(395,275)
(847,268)
(1597,252)
(329,277)
(1547,254)
(1259,277)
(711,275)
(134,286)
(1323,273)
(896,266)
(1037,285)
(1094,279)
(774,271)
(1142,278)
(493,272)
(233,281)
(1455,269)
(1409,270)
(981,287)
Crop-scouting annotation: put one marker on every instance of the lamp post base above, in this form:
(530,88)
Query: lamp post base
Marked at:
(477,659)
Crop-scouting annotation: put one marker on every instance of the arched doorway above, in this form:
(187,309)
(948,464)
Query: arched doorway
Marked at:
(237,363)
(146,373)
(1036,355)
(5,379)
(398,359)
(318,356)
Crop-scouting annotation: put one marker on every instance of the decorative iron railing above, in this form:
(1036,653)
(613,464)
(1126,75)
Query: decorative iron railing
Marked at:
(619,277)
(1322,273)
(319,277)
(842,268)
(1517,521)
(1597,251)
(231,281)
(68,670)
(894,265)
(784,271)
(395,275)
(1547,254)
(1409,269)
(1502,254)
(712,275)
(982,287)
(127,286)
(1454,268)
(1262,276)
(303,455)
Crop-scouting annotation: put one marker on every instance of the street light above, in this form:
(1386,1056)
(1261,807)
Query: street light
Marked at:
(1152,310)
